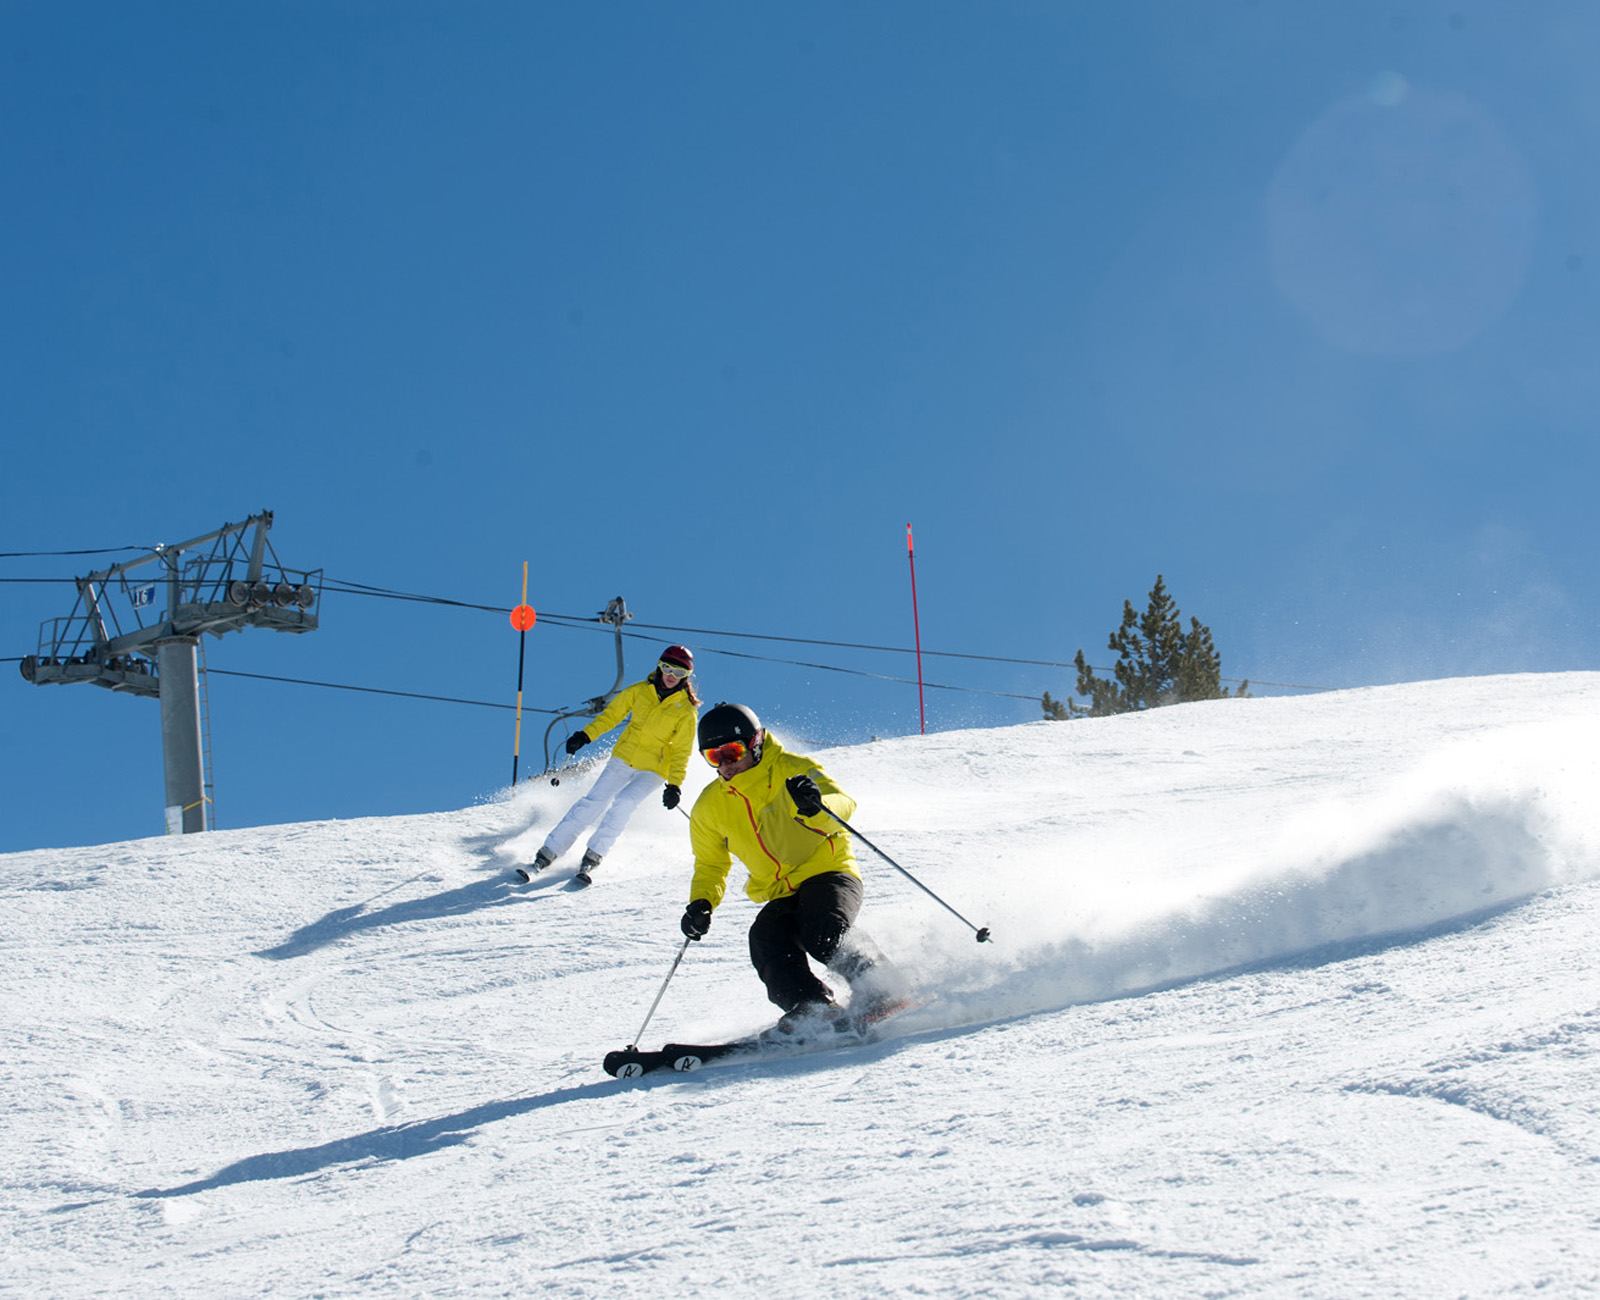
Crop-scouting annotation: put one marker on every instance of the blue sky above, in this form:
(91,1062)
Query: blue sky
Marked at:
(701,304)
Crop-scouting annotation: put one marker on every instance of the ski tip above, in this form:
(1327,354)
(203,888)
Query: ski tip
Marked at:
(624,1064)
(868,1025)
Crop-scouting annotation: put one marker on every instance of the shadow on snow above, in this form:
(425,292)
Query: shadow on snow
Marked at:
(343,922)
(403,1141)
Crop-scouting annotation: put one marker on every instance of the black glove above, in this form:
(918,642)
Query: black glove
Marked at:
(807,798)
(671,795)
(696,919)
(576,741)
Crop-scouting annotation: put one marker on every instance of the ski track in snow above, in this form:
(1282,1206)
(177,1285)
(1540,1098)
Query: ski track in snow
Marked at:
(1287,997)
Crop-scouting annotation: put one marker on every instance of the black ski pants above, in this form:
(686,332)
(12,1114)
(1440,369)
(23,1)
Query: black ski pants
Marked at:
(814,921)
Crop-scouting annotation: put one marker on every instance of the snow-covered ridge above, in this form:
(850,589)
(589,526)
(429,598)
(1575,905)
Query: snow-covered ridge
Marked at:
(1130,853)
(354,1058)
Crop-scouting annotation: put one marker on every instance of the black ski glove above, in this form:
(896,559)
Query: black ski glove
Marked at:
(696,919)
(671,795)
(576,741)
(807,798)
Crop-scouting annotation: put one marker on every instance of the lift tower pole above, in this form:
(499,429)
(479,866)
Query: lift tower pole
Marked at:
(228,587)
(182,748)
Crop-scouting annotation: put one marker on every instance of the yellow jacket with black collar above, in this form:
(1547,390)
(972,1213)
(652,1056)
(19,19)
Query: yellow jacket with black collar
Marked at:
(660,731)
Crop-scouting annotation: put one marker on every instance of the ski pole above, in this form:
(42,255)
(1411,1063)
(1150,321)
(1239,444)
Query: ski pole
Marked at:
(982,932)
(660,995)
(648,1014)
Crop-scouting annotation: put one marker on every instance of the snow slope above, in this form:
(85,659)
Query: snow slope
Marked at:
(1287,998)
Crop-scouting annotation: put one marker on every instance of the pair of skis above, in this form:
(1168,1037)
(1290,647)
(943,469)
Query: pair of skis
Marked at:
(631,1062)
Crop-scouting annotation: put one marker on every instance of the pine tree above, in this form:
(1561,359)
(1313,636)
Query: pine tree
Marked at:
(1056,710)
(1157,662)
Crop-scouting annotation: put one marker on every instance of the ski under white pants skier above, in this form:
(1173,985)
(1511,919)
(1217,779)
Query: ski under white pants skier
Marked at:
(612,800)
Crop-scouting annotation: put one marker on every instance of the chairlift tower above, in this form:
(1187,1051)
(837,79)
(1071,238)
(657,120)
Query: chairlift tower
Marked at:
(231,580)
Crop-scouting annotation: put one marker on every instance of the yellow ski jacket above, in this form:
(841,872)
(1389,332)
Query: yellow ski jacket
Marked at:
(752,817)
(660,735)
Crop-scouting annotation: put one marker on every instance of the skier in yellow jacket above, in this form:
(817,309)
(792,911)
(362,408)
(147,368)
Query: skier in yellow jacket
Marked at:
(768,810)
(654,747)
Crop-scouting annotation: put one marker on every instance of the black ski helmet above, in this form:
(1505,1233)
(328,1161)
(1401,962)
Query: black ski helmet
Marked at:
(724,722)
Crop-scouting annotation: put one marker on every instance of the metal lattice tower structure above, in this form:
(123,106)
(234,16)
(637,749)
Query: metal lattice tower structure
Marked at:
(231,579)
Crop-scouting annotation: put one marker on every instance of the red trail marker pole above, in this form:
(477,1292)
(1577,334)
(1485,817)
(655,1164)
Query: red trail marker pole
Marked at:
(922,714)
(522,618)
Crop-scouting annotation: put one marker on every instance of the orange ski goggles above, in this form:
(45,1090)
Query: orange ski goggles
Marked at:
(731,752)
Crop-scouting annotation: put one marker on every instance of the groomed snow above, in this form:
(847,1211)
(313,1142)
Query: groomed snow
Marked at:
(1288,997)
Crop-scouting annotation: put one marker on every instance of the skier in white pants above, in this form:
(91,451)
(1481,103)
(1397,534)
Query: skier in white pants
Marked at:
(653,748)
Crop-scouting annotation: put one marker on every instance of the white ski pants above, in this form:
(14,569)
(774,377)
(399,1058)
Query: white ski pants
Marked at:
(613,798)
